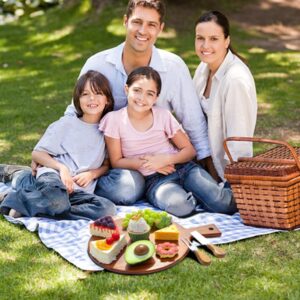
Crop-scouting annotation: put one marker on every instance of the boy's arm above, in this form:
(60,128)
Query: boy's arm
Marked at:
(96,173)
(84,179)
(45,159)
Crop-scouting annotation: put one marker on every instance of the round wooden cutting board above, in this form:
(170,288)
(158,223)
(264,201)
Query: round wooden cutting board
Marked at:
(152,265)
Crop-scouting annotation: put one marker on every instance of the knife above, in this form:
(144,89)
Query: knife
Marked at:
(201,256)
(217,251)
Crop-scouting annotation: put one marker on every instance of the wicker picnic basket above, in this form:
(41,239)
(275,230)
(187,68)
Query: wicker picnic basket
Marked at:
(267,187)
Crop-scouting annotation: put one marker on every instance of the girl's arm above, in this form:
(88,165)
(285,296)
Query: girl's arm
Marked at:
(116,157)
(83,179)
(45,159)
(185,154)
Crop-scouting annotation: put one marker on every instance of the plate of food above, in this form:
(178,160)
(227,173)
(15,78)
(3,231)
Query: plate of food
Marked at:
(144,242)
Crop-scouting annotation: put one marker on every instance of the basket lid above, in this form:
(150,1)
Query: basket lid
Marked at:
(281,164)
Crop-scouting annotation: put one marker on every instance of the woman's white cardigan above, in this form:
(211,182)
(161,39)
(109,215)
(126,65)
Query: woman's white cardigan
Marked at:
(232,108)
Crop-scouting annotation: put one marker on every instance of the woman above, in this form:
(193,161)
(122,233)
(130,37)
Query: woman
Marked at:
(226,90)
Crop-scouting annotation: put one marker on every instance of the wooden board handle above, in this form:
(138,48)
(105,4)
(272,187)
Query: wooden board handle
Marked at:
(260,140)
(202,257)
(217,251)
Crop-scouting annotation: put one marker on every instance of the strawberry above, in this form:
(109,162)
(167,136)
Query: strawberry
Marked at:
(116,236)
(110,240)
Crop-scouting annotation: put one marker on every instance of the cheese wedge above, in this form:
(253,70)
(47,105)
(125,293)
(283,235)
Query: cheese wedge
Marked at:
(169,233)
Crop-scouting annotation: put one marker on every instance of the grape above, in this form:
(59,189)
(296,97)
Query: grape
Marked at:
(153,218)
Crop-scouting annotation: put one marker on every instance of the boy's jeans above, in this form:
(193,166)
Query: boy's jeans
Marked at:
(47,196)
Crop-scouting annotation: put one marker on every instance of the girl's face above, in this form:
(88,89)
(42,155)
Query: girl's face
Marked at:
(92,103)
(210,44)
(142,94)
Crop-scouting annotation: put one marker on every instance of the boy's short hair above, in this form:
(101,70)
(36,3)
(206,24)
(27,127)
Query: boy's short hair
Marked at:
(158,5)
(99,83)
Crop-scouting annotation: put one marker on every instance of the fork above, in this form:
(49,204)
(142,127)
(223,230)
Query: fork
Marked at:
(201,256)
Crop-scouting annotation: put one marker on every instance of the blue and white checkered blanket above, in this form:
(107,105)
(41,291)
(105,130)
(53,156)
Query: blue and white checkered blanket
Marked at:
(70,238)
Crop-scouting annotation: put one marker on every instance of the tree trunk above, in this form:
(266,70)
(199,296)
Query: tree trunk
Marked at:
(98,5)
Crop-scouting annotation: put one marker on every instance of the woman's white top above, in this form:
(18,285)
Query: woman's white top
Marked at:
(231,108)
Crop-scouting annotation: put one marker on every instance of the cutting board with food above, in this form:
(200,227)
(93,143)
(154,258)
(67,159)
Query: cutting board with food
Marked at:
(143,242)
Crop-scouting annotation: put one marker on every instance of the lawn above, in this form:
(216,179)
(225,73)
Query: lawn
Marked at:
(40,60)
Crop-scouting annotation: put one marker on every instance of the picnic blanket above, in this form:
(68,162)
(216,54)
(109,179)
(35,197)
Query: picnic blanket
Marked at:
(70,238)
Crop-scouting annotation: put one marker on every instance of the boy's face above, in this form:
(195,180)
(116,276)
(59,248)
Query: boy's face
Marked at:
(92,103)
(143,28)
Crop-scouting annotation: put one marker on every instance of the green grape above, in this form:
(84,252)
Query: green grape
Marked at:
(125,223)
(150,222)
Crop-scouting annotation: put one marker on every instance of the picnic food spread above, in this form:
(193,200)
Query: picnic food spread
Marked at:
(143,242)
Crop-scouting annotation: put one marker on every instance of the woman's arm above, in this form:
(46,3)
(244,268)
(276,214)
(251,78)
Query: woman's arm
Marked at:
(45,159)
(116,157)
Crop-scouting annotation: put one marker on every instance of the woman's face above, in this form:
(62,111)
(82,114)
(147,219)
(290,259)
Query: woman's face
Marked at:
(210,44)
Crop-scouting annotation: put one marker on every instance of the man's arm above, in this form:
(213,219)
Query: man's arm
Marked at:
(186,106)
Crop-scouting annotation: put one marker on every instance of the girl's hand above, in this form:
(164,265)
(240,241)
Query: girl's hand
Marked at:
(155,162)
(83,179)
(66,179)
(167,170)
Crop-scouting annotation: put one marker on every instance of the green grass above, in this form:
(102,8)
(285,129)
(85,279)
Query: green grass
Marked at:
(40,60)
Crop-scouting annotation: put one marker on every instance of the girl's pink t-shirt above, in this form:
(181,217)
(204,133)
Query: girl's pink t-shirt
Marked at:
(134,143)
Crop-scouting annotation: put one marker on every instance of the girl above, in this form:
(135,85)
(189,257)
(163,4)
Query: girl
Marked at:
(72,153)
(226,90)
(149,139)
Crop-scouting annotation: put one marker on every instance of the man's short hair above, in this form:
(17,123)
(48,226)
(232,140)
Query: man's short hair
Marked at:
(158,5)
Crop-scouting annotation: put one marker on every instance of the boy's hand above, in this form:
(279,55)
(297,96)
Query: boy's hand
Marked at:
(66,179)
(34,167)
(83,179)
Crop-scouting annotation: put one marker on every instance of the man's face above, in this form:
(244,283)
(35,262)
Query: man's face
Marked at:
(143,27)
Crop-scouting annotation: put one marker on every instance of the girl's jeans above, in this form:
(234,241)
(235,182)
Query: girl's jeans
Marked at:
(180,192)
(121,186)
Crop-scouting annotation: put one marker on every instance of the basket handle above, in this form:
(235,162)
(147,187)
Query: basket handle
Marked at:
(262,159)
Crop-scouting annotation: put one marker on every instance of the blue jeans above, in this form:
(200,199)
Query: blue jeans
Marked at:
(121,186)
(47,196)
(180,192)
